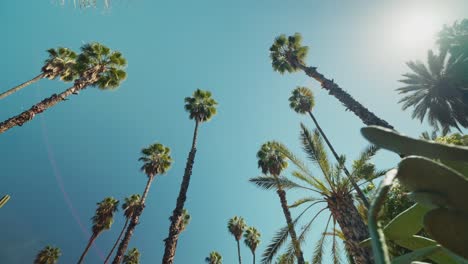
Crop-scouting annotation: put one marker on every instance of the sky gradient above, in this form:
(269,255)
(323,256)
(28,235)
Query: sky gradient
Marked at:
(59,165)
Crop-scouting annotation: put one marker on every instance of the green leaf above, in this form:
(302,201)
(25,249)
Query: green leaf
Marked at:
(407,223)
(417,242)
(416,255)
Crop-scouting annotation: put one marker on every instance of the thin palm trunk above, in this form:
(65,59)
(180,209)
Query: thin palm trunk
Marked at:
(133,223)
(350,177)
(366,116)
(353,227)
(238,252)
(117,241)
(90,242)
(253,254)
(21,86)
(292,232)
(89,77)
(175,228)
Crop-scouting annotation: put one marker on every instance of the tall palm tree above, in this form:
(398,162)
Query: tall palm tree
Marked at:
(214,258)
(273,162)
(48,255)
(252,240)
(332,189)
(132,257)
(202,107)
(61,63)
(130,207)
(436,90)
(156,161)
(288,55)
(97,65)
(302,101)
(102,221)
(236,226)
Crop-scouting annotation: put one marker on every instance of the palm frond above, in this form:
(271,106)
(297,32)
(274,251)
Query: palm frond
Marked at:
(316,183)
(305,200)
(318,251)
(271,183)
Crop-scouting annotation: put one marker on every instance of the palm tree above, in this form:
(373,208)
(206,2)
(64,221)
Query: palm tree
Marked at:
(302,101)
(132,257)
(214,258)
(185,220)
(288,55)
(130,207)
(332,189)
(252,240)
(236,226)
(102,221)
(97,65)
(273,162)
(436,90)
(201,108)
(48,255)
(61,63)
(156,161)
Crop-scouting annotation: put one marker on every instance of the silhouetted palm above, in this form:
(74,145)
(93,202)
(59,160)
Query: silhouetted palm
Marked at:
(252,240)
(201,107)
(132,257)
(214,258)
(48,255)
(102,221)
(61,63)
(236,226)
(156,161)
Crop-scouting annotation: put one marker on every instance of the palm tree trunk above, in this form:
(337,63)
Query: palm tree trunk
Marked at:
(21,86)
(253,253)
(89,77)
(292,232)
(238,252)
(91,241)
(133,223)
(346,99)
(350,177)
(353,227)
(117,241)
(175,228)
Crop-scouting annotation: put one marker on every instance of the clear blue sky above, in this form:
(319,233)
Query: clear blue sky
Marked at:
(90,144)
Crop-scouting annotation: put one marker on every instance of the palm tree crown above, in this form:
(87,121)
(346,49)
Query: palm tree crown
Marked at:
(48,255)
(302,100)
(132,257)
(131,204)
(287,53)
(252,238)
(61,62)
(270,159)
(157,159)
(104,216)
(201,106)
(236,226)
(112,63)
(436,90)
(214,258)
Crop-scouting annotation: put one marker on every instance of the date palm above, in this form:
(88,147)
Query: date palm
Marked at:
(236,227)
(201,107)
(97,65)
(130,207)
(288,55)
(252,240)
(132,257)
(156,161)
(302,101)
(48,255)
(273,162)
(214,258)
(437,91)
(332,189)
(102,221)
(60,63)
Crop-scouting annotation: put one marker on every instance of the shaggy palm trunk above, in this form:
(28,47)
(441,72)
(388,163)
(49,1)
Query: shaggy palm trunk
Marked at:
(352,225)
(292,232)
(133,223)
(90,242)
(238,252)
(117,241)
(346,99)
(350,177)
(21,86)
(89,77)
(175,228)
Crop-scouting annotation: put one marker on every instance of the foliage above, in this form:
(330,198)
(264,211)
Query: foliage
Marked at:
(4,200)
(156,159)
(48,255)
(201,106)
(270,159)
(104,216)
(287,53)
(214,258)
(132,257)
(252,238)
(236,227)
(302,100)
